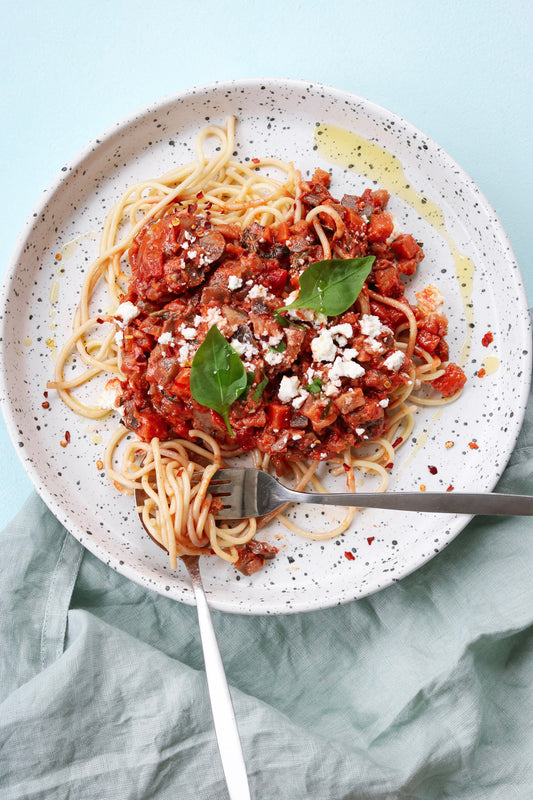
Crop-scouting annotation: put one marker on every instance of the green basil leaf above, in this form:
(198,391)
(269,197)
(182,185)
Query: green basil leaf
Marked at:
(279,348)
(315,386)
(332,286)
(258,391)
(218,376)
(250,378)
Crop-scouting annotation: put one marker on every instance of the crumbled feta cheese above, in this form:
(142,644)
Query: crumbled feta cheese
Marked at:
(125,313)
(344,329)
(107,399)
(273,358)
(274,340)
(234,282)
(258,291)
(185,245)
(360,431)
(288,388)
(371,325)
(192,254)
(373,345)
(198,320)
(394,361)
(188,333)
(185,353)
(238,346)
(344,368)
(349,353)
(166,338)
(119,338)
(305,314)
(246,349)
(341,333)
(331,390)
(300,400)
(384,403)
(323,347)
(214,317)
(188,236)
(296,436)
(320,319)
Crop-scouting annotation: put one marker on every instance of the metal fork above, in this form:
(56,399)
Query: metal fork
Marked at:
(253,493)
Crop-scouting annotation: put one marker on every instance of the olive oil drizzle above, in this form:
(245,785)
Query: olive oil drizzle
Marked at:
(357,154)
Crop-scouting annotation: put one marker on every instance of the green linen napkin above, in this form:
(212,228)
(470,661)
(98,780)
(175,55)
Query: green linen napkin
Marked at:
(424,690)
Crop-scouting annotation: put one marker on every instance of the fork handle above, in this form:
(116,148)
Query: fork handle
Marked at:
(436,502)
(226,730)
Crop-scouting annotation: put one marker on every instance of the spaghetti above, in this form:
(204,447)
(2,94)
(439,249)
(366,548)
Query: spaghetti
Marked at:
(214,349)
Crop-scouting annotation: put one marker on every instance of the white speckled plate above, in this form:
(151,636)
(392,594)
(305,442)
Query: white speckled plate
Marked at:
(468,257)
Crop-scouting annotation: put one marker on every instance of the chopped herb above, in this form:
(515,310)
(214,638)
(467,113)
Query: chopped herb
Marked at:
(315,386)
(258,391)
(326,409)
(283,321)
(279,348)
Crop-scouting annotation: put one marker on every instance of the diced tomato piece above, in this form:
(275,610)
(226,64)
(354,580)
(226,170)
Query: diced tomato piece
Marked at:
(380,227)
(229,231)
(279,416)
(370,412)
(294,281)
(435,323)
(442,350)
(377,199)
(427,341)
(321,412)
(275,280)
(234,250)
(281,233)
(382,261)
(301,226)
(451,381)
(354,222)
(374,379)
(388,282)
(407,266)
(150,425)
(404,246)
(217,420)
(387,314)
(181,385)
(350,400)
(321,176)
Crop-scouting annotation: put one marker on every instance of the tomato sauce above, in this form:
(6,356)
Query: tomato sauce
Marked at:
(316,384)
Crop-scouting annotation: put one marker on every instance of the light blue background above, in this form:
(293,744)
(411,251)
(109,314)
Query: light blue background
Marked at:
(459,71)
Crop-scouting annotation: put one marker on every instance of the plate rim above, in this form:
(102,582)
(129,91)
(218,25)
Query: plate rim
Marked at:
(115,129)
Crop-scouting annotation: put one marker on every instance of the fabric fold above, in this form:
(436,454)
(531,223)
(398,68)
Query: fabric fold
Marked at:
(423,691)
